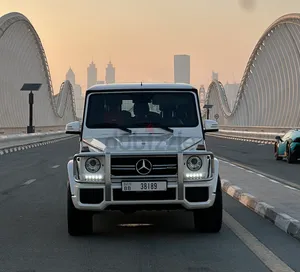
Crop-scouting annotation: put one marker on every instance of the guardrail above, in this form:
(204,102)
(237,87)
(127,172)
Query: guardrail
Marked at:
(252,133)
(38,129)
(8,141)
(256,129)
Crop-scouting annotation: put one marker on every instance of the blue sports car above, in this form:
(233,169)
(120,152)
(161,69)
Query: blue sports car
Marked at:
(288,146)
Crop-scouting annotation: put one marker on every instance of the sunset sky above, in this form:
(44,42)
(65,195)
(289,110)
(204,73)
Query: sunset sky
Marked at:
(141,36)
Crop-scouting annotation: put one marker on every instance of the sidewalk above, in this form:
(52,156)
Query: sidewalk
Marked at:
(275,201)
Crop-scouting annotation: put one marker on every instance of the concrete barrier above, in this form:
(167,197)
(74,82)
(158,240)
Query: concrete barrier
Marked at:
(267,134)
(251,135)
(21,130)
(7,141)
(280,130)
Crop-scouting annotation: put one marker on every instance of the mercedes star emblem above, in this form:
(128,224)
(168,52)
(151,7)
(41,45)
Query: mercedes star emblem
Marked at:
(143,167)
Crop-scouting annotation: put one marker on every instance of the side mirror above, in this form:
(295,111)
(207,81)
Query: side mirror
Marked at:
(73,128)
(278,138)
(211,126)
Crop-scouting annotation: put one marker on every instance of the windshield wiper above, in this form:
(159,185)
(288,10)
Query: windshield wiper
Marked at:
(154,125)
(112,125)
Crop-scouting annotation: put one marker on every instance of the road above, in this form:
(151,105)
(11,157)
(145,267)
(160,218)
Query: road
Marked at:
(34,236)
(257,156)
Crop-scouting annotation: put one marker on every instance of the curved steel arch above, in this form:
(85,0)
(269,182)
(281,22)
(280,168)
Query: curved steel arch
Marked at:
(23,59)
(269,92)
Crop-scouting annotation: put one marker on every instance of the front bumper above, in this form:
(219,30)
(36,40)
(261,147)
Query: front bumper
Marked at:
(192,195)
(180,194)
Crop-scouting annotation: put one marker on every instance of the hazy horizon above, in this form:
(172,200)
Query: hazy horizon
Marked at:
(141,37)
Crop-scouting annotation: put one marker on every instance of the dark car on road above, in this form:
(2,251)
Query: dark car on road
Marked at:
(288,146)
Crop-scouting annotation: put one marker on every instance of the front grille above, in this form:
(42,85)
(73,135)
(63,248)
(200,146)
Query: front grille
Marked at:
(161,165)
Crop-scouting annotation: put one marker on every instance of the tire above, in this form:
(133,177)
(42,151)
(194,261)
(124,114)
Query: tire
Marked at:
(79,222)
(278,158)
(289,157)
(210,220)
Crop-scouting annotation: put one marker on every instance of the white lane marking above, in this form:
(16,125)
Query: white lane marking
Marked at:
(29,181)
(55,166)
(274,181)
(290,187)
(261,251)
(265,177)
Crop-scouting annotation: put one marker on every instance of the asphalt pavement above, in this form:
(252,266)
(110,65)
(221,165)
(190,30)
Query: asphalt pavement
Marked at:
(257,156)
(34,236)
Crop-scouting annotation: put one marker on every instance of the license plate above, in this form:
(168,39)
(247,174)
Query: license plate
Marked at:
(144,186)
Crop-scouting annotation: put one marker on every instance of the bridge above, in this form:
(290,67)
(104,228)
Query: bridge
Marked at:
(269,92)
(261,211)
(23,60)
(268,95)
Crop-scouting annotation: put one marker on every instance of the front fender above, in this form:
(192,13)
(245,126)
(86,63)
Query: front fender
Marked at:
(71,180)
(216,174)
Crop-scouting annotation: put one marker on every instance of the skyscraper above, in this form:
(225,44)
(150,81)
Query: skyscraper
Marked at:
(110,74)
(214,76)
(182,69)
(70,76)
(202,96)
(79,99)
(231,90)
(91,75)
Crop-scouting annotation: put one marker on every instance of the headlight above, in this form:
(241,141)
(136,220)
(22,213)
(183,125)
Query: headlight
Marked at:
(92,165)
(194,163)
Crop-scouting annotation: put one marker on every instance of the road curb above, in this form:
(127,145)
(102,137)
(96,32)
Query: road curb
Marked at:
(5,151)
(281,220)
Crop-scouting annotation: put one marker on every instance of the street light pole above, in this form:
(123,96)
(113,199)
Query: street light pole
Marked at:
(30,128)
(207,107)
(31,87)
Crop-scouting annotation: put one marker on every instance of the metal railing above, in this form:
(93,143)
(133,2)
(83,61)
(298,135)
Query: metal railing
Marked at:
(252,133)
(9,141)
(23,130)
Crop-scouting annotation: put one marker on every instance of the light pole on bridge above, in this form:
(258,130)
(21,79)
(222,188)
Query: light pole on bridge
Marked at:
(207,107)
(32,87)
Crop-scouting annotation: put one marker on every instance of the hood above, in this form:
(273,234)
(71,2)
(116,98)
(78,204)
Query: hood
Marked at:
(125,143)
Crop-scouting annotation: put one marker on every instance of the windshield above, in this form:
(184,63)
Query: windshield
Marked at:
(142,109)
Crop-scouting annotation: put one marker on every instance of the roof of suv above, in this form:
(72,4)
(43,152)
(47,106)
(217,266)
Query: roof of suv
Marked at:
(141,86)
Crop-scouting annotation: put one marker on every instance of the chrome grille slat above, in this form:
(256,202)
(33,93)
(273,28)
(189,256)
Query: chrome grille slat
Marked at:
(126,165)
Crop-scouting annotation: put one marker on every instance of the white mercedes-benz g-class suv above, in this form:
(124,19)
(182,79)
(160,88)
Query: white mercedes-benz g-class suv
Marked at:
(142,147)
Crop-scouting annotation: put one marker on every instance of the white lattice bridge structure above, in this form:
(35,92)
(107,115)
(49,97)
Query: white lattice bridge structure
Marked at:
(23,60)
(269,93)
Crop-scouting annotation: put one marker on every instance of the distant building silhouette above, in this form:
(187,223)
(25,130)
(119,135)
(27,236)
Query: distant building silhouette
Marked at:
(182,69)
(110,74)
(202,96)
(91,75)
(100,82)
(231,90)
(214,76)
(79,100)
